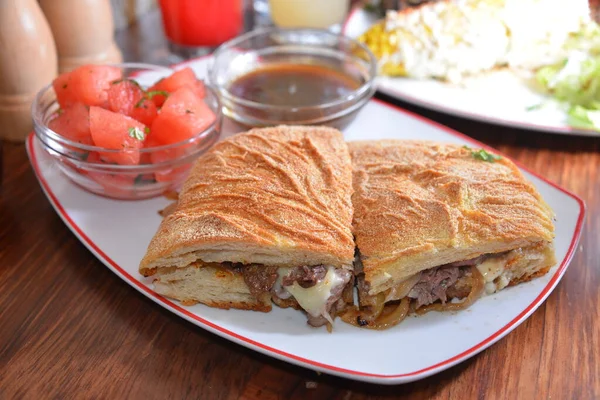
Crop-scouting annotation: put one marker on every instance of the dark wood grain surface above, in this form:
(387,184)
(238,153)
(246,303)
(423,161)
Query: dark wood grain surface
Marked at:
(70,328)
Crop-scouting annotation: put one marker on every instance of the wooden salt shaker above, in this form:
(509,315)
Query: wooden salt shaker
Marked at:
(27,63)
(83,31)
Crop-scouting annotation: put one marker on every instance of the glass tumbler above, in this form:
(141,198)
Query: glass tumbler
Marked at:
(197,27)
(318,14)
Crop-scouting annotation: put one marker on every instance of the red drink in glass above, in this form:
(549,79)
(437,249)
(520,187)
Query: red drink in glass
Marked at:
(201,23)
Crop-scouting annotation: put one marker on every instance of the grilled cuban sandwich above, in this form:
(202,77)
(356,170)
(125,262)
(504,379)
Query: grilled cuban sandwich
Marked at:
(439,225)
(264,217)
(451,39)
(269,216)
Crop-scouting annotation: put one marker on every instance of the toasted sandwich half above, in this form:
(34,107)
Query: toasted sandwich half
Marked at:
(264,216)
(438,225)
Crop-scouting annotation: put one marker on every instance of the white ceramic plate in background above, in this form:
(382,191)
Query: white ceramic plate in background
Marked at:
(118,232)
(499,97)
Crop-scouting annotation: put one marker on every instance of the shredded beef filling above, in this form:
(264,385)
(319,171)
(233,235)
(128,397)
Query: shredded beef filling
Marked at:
(433,285)
(259,278)
(435,282)
(305,276)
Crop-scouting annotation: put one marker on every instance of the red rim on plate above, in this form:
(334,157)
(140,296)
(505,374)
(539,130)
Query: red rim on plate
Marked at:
(390,379)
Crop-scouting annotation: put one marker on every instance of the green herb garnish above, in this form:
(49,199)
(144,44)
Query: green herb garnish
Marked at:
(146,130)
(534,107)
(137,133)
(150,95)
(126,80)
(483,155)
(140,102)
(153,93)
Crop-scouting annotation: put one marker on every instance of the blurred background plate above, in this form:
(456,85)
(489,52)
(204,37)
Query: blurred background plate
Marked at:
(499,97)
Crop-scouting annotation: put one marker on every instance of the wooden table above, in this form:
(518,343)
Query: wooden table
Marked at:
(70,328)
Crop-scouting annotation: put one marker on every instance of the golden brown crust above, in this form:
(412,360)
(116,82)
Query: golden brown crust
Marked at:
(274,196)
(421,204)
(209,284)
(528,277)
(248,306)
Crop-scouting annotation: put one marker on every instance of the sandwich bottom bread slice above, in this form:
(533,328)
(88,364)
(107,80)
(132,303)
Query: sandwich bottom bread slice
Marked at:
(265,216)
(439,225)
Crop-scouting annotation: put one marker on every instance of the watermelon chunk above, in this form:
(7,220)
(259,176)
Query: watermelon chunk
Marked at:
(114,181)
(73,123)
(118,132)
(127,97)
(87,84)
(182,117)
(144,111)
(176,174)
(182,78)
(65,95)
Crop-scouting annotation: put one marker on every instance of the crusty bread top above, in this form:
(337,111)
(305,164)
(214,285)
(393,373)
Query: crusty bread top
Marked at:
(421,204)
(274,196)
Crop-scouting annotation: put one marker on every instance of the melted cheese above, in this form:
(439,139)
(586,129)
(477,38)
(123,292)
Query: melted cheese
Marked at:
(313,299)
(495,274)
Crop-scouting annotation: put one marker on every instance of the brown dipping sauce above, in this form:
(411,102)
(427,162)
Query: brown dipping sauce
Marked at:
(294,85)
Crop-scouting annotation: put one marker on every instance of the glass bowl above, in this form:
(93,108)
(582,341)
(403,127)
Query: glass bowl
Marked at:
(81,163)
(266,47)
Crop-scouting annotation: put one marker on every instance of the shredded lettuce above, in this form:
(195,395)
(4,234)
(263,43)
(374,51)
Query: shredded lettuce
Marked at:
(585,118)
(575,81)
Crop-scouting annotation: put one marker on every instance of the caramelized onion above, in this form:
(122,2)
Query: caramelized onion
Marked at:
(355,316)
(477,285)
(394,317)
(387,316)
(377,308)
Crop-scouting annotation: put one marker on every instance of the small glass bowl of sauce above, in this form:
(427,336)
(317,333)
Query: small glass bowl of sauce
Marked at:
(293,76)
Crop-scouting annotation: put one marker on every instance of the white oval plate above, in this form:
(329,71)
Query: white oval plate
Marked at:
(499,97)
(118,232)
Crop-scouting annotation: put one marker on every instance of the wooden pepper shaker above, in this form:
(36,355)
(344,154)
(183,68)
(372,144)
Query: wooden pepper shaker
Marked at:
(27,63)
(83,31)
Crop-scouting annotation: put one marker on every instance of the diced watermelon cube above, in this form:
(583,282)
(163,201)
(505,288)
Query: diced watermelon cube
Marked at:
(176,174)
(118,184)
(182,117)
(73,123)
(123,95)
(182,78)
(65,95)
(145,111)
(87,84)
(118,132)
(127,97)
